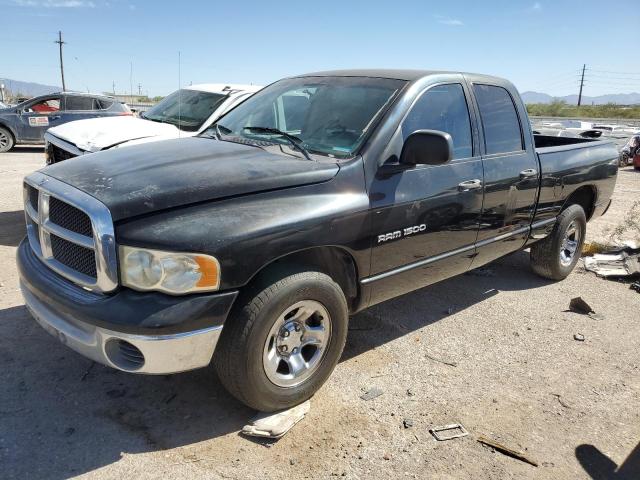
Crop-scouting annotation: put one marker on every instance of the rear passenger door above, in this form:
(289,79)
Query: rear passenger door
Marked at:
(510,175)
(38,116)
(425,218)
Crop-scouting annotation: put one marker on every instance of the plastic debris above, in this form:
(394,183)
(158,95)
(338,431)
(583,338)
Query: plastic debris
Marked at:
(448,432)
(578,305)
(371,394)
(506,450)
(621,263)
(578,337)
(276,425)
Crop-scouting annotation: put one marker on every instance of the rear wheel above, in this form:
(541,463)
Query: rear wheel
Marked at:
(283,340)
(557,255)
(6,140)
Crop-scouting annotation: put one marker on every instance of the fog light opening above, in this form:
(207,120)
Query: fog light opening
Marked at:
(124,355)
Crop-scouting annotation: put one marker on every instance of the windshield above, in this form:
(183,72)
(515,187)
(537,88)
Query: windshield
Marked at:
(186,109)
(327,115)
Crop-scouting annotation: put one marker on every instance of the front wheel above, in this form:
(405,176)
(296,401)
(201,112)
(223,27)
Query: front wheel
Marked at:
(624,159)
(283,340)
(557,255)
(6,140)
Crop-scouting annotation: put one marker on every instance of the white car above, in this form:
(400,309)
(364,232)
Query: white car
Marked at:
(185,113)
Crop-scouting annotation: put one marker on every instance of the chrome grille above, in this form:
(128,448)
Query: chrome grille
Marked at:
(56,154)
(33,197)
(71,232)
(74,256)
(69,217)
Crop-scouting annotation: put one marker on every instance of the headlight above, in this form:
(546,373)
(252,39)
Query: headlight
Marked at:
(170,272)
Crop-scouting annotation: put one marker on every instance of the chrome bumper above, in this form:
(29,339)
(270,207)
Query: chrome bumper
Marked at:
(149,354)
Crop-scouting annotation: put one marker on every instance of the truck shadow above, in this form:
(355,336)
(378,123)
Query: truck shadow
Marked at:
(12,228)
(63,415)
(402,315)
(600,467)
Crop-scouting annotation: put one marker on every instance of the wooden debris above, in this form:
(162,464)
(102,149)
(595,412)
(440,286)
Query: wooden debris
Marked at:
(506,450)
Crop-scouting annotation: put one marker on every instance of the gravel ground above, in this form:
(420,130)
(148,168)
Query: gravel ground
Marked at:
(513,372)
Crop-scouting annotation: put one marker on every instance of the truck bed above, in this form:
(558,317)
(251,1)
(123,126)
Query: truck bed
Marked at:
(547,141)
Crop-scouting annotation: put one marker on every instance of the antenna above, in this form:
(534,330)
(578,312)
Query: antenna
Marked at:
(60,43)
(179,97)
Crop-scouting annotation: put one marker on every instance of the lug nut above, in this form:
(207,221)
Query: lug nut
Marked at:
(295,350)
(297,327)
(284,348)
(285,333)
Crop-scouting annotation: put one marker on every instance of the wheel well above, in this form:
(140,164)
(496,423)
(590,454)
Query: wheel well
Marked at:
(6,127)
(332,261)
(584,196)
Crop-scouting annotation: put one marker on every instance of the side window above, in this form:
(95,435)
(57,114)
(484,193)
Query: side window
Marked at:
(51,105)
(443,108)
(499,119)
(74,102)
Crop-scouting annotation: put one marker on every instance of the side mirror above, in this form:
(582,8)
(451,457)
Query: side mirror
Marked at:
(429,147)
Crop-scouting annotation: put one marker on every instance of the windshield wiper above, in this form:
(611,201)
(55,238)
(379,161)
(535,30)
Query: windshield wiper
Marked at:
(295,141)
(220,129)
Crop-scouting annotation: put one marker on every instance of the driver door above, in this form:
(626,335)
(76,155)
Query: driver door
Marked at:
(426,218)
(35,118)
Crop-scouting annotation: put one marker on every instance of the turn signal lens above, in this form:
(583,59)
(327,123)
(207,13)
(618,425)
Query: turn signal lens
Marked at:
(170,272)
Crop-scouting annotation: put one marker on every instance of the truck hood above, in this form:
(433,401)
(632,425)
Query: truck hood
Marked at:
(95,134)
(146,178)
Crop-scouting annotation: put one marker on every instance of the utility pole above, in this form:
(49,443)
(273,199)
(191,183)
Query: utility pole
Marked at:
(113,86)
(584,66)
(140,89)
(60,43)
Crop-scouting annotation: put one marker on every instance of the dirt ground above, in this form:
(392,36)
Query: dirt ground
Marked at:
(513,372)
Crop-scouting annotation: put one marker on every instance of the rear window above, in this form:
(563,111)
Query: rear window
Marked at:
(79,103)
(499,119)
(102,104)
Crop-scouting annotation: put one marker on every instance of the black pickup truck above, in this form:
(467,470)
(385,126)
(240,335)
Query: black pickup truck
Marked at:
(250,245)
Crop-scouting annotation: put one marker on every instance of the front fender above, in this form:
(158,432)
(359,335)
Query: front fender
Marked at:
(249,232)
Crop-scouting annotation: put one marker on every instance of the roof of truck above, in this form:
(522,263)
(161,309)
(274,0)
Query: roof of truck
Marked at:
(398,74)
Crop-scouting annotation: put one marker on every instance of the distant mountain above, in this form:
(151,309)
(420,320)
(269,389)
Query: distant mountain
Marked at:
(617,98)
(27,89)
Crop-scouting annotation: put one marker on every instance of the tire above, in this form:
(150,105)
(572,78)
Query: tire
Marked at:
(624,160)
(249,358)
(6,140)
(553,258)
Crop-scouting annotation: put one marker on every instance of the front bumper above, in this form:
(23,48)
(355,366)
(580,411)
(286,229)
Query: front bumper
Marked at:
(131,331)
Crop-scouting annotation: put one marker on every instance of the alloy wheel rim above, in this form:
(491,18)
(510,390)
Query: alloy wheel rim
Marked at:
(4,140)
(296,343)
(570,243)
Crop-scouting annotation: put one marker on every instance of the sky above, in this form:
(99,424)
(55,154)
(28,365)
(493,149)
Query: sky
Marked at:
(538,45)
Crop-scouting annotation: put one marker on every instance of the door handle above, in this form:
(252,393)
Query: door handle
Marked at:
(470,185)
(55,117)
(529,172)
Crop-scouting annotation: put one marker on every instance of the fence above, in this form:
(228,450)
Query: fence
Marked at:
(598,121)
